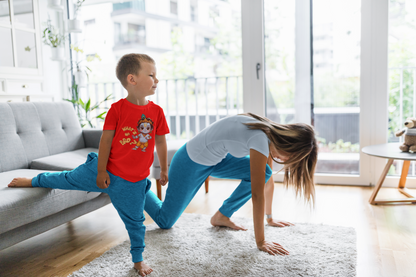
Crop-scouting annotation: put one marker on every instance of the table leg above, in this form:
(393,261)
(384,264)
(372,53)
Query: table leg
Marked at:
(405,171)
(401,186)
(380,181)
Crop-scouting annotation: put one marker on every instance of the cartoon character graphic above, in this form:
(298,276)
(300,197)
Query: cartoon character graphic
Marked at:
(145,127)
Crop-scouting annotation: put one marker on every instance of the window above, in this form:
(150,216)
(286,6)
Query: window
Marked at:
(194,12)
(199,65)
(203,44)
(135,34)
(19,46)
(333,107)
(336,59)
(174,7)
(402,71)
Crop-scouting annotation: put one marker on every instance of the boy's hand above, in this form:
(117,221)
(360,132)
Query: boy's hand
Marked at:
(103,180)
(163,178)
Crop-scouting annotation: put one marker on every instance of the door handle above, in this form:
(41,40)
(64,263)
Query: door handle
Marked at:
(258,67)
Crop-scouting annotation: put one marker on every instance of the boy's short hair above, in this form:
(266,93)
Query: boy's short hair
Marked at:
(130,64)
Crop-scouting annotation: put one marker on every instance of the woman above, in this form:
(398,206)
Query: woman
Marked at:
(221,150)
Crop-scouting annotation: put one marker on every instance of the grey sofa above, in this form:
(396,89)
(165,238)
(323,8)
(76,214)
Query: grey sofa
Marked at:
(38,137)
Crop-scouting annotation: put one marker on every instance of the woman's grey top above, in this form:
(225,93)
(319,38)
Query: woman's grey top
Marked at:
(228,135)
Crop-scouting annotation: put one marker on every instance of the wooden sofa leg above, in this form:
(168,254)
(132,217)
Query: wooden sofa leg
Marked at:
(159,189)
(206,185)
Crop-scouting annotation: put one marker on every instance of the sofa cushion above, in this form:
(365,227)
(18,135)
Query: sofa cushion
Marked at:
(173,146)
(13,151)
(19,206)
(60,126)
(33,130)
(64,161)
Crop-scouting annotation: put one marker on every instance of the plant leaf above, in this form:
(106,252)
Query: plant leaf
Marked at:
(100,116)
(87,106)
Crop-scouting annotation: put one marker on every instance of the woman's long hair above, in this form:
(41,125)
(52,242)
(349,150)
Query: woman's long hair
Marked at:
(298,140)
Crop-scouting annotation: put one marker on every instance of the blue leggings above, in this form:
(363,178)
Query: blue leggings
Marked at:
(127,197)
(185,179)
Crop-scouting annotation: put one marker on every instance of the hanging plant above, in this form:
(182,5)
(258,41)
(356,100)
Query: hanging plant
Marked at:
(80,69)
(54,39)
(75,24)
(51,37)
(78,7)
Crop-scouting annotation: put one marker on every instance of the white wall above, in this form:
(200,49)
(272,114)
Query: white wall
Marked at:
(184,10)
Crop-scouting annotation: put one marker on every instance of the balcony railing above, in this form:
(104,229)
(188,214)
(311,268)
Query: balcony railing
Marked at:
(192,104)
(189,104)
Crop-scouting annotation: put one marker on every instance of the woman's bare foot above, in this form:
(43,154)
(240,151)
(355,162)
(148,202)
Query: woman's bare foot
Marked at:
(142,268)
(20,182)
(218,219)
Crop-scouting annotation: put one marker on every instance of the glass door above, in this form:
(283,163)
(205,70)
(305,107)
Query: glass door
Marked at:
(196,45)
(336,28)
(314,77)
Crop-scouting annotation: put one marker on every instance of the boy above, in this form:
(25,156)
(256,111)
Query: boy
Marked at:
(133,126)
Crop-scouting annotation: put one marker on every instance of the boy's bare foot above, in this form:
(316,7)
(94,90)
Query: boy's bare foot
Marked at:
(218,219)
(142,268)
(20,182)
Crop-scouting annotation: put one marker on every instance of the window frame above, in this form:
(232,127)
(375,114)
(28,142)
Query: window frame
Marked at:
(36,31)
(373,84)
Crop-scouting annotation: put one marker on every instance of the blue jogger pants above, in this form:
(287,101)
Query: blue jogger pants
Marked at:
(185,179)
(127,197)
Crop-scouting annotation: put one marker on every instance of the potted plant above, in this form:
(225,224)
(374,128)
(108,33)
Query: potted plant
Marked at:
(80,69)
(75,24)
(54,39)
(85,109)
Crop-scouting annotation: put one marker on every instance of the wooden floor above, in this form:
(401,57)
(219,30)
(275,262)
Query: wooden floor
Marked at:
(386,235)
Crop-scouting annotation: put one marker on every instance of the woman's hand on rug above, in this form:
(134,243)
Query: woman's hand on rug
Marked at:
(272,248)
(278,223)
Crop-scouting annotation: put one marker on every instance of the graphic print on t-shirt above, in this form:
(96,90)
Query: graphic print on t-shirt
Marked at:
(140,137)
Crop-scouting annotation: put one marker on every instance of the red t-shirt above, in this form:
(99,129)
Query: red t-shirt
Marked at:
(134,140)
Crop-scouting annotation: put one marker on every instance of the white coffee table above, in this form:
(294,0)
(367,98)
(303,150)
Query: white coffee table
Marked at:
(391,152)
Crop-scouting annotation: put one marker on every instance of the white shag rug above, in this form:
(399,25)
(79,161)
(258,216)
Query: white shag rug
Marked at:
(194,248)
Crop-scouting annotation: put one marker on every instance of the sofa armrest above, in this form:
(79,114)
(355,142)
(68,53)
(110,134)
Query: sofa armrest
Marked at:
(92,137)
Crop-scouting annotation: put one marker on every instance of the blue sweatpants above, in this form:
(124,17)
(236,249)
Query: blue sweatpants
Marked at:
(185,179)
(127,197)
